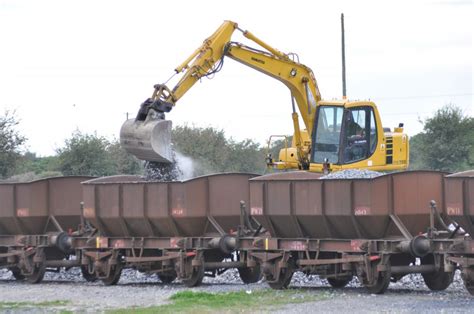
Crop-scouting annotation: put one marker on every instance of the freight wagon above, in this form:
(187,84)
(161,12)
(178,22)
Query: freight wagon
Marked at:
(377,229)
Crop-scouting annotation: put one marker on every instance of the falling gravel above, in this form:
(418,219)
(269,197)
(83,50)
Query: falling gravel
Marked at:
(162,172)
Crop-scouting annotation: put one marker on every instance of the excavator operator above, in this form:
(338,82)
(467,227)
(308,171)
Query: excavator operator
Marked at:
(356,141)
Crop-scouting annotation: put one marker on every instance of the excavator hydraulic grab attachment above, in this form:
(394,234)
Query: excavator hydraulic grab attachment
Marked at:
(148,136)
(147,140)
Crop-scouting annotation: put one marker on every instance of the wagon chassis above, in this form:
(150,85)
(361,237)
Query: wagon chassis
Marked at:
(191,258)
(252,252)
(333,259)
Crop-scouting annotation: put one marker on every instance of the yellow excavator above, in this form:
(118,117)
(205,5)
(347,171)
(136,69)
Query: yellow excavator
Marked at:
(338,134)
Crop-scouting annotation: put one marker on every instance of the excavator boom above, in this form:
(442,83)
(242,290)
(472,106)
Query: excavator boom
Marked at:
(147,136)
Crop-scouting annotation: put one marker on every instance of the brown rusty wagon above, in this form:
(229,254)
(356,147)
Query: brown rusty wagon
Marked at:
(182,228)
(37,221)
(375,229)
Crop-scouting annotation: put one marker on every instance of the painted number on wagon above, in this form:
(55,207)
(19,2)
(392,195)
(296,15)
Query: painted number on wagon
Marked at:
(256,211)
(23,212)
(362,211)
(177,212)
(454,210)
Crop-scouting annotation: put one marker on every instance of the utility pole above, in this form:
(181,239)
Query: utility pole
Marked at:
(343,58)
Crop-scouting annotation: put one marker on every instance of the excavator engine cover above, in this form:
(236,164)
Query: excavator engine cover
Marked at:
(147,140)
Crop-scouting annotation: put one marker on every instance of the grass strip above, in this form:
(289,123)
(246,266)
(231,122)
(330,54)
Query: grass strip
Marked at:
(20,305)
(229,302)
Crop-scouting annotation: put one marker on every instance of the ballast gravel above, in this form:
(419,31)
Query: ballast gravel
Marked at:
(140,290)
(353,174)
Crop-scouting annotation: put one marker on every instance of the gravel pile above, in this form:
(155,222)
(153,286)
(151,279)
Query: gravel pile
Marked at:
(353,174)
(158,171)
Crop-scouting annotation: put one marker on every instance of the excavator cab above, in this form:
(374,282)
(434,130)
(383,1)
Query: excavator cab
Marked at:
(344,135)
(350,135)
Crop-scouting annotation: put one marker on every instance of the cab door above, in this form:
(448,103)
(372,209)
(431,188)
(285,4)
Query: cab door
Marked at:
(359,134)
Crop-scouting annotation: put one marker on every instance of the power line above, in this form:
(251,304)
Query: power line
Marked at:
(427,96)
(409,114)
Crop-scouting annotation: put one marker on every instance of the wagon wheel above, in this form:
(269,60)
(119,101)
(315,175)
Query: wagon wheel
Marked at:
(284,276)
(380,279)
(438,280)
(468,278)
(87,275)
(195,274)
(34,271)
(167,278)
(250,275)
(380,285)
(283,280)
(37,274)
(114,275)
(339,282)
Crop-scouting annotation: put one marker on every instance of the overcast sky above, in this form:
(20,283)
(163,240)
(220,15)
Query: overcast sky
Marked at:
(67,65)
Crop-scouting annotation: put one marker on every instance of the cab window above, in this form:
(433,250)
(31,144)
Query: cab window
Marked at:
(373,133)
(360,134)
(327,134)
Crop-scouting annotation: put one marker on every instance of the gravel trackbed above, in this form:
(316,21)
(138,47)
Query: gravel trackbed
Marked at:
(67,291)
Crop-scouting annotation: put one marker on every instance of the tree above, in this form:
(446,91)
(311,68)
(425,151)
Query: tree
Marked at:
(246,156)
(30,162)
(212,152)
(93,155)
(85,154)
(417,161)
(11,142)
(447,141)
(124,163)
(206,146)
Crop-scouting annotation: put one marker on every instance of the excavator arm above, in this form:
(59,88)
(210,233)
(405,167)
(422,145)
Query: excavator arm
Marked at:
(147,136)
(297,77)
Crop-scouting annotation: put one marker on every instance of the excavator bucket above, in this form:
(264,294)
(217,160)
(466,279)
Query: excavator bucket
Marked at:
(148,140)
